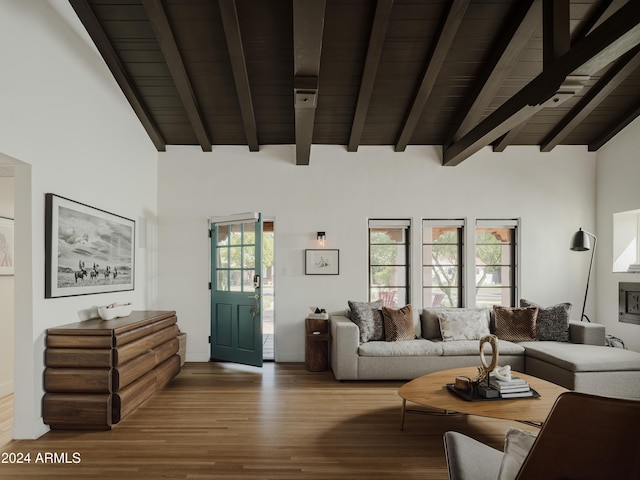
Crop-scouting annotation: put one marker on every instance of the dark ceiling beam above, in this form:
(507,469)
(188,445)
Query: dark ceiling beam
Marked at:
(98,35)
(615,37)
(374,52)
(556,32)
(616,127)
(596,94)
(507,139)
(449,29)
(308,27)
(231,26)
(512,39)
(600,12)
(162,30)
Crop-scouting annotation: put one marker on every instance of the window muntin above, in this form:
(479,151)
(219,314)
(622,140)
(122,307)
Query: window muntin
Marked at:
(495,263)
(235,251)
(389,262)
(442,263)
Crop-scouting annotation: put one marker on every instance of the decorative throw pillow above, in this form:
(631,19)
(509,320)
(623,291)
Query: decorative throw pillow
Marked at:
(552,322)
(515,324)
(516,448)
(368,317)
(464,325)
(398,324)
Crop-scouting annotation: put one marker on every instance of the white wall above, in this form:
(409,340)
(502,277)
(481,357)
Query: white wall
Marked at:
(69,129)
(618,171)
(553,193)
(6,299)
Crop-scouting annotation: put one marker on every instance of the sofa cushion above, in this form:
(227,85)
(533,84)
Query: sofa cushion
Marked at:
(468,325)
(472,347)
(431,324)
(515,324)
(398,324)
(368,317)
(576,357)
(552,322)
(409,348)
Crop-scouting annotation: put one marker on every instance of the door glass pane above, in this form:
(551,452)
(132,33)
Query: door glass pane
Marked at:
(223,234)
(235,257)
(249,257)
(236,234)
(223,280)
(223,257)
(247,284)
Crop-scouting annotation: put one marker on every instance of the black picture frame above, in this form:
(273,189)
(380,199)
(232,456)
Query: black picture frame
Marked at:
(87,250)
(322,262)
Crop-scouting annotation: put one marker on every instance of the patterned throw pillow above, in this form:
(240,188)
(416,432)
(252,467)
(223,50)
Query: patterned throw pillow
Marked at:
(368,317)
(552,322)
(515,324)
(398,324)
(465,325)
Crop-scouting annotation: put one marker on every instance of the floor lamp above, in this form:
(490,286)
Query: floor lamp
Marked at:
(581,243)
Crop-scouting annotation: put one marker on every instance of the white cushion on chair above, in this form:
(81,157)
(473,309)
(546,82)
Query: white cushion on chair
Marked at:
(516,448)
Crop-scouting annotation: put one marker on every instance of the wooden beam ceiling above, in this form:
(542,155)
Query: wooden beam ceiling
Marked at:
(229,14)
(448,32)
(164,35)
(518,29)
(374,52)
(616,127)
(308,27)
(101,40)
(596,94)
(560,80)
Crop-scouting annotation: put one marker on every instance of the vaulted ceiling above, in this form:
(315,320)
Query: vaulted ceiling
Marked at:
(463,74)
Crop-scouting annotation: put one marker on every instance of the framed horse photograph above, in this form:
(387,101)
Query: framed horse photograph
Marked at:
(87,250)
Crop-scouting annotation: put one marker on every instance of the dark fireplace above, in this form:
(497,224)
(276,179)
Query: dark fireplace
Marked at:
(629,302)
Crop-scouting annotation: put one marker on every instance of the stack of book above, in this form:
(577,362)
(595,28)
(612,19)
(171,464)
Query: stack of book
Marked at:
(515,388)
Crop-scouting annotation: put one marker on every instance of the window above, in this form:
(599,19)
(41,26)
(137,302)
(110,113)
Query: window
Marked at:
(496,262)
(235,266)
(442,254)
(389,261)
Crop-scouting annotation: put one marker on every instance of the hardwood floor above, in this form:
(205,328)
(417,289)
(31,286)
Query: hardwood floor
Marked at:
(225,421)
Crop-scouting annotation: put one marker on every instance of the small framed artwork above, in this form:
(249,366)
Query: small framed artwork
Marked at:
(6,246)
(87,250)
(322,262)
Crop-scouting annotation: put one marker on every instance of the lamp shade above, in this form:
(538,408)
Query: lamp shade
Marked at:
(580,241)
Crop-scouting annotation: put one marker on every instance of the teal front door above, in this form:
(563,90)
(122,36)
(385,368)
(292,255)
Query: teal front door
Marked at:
(236,314)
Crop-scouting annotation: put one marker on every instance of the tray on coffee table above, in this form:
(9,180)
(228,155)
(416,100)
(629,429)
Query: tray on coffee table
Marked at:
(473,396)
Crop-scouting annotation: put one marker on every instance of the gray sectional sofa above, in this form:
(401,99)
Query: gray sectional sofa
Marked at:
(583,364)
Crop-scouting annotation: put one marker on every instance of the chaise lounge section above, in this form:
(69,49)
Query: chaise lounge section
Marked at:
(583,363)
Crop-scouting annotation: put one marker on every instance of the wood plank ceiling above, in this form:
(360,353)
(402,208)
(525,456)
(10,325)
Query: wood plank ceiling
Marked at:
(462,74)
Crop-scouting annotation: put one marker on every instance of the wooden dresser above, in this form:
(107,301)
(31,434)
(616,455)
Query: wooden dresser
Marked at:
(98,371)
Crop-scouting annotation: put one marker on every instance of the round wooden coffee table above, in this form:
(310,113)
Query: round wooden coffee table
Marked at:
(431,391)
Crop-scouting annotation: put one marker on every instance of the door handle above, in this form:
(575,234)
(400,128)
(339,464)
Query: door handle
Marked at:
(255,297)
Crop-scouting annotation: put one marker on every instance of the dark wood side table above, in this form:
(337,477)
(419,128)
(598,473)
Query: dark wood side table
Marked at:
(316,353)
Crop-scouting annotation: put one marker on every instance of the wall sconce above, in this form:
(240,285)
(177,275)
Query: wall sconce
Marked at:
(321,236)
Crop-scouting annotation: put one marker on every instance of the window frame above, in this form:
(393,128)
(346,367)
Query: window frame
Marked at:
(514,225)
(460,225)
(378,223)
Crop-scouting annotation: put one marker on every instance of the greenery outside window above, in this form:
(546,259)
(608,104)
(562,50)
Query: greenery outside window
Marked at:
(496,262)
(389,261)
(442,263)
